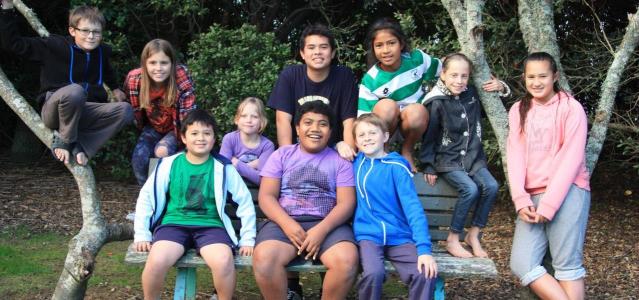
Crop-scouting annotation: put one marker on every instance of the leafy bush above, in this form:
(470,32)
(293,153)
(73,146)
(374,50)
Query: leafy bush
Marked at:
(228,65)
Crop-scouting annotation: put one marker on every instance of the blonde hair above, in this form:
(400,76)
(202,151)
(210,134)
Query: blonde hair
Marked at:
(372,119)
(261,112)
(170,94)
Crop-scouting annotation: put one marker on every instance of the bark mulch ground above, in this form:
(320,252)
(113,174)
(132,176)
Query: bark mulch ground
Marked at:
(42,196)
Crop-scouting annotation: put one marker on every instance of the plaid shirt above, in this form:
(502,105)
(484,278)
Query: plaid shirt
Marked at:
(184,104)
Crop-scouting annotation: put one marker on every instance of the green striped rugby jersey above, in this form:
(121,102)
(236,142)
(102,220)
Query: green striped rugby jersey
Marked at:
(403,85)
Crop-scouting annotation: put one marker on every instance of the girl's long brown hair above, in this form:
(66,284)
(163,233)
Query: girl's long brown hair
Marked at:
(524,106)
(170,85)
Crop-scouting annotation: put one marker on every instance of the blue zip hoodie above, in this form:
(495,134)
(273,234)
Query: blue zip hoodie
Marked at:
(388,211)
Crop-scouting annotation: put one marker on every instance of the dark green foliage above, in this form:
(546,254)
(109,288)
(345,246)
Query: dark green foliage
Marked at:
(231,64)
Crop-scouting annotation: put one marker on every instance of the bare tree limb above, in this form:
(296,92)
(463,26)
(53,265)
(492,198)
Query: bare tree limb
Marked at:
(31,18)
(609,90)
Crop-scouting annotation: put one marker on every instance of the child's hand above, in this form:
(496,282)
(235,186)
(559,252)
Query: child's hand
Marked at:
(430,178)
(234,161)
(493,85)
(426,264)
(314,238)
(528,214)
(345,151)
(119,95)
(143,246)
(246,251)
(540,219)
(295,233)
(254,164)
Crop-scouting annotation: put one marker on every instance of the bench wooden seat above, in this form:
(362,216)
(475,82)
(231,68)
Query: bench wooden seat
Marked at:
(438,201)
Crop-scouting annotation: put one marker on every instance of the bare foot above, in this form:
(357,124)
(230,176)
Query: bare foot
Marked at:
(476,246)
(62,154)
(409,157)
(455,248)
(81,158)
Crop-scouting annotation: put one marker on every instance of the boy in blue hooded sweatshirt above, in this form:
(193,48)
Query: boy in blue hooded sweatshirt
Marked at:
(389,219)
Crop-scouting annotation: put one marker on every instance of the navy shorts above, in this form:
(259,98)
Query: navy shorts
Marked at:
(269,230)
(192,236)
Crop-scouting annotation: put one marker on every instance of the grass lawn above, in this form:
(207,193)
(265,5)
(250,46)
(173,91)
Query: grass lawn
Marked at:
(30,265)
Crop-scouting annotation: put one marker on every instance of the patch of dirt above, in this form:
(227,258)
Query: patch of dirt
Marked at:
(43,196)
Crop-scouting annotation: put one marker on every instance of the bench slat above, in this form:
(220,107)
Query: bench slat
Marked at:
(441,188)
(448,266)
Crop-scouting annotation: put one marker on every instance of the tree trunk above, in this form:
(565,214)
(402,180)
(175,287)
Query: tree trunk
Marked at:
(469,28)
(83,248)
(537,26)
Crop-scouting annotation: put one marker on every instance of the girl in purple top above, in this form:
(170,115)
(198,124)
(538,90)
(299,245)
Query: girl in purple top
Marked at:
(247,149)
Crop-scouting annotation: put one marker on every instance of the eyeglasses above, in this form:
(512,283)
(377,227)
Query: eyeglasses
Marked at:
(87,32)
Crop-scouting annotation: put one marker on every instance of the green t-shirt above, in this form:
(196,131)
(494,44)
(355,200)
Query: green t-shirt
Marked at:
(192,194)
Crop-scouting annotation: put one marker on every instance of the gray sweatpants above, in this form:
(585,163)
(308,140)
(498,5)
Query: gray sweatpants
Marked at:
(404,258)
(90,124)
(564,235)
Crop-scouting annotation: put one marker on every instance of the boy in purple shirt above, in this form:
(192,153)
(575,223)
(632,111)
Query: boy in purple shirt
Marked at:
(307,192)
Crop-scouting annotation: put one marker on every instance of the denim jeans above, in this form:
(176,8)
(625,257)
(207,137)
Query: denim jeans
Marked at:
(148,142)
(478,191)
(564,235)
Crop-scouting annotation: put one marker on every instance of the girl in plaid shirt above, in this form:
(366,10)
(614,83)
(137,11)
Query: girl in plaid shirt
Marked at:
(161,94)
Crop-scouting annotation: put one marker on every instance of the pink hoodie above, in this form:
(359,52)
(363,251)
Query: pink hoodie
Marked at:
(549,156)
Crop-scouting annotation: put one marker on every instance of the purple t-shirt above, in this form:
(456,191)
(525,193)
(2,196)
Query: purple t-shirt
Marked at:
(339,90)
(309,181)
(232,146)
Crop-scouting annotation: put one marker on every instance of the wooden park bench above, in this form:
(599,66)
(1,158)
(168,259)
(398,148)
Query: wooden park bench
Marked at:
(438,201)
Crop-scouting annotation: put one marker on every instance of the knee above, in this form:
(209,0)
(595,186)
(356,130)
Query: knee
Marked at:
(469,191)
(263,262)
(125,111)
(157,264)
(75,95)
(387,109)
(222,263)
(345,263)
(415,116)
(373,275)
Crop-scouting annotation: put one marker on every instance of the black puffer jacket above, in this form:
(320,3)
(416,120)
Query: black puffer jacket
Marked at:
(452,141)
(61,61)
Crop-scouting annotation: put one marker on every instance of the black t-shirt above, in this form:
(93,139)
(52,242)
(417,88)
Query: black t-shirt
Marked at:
(339,90)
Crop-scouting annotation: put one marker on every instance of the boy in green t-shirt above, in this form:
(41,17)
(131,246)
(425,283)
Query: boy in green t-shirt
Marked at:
(182,203)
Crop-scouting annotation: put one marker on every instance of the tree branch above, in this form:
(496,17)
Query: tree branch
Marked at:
(609,90)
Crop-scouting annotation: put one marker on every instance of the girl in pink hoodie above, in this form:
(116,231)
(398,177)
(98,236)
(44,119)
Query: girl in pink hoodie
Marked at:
(549,182)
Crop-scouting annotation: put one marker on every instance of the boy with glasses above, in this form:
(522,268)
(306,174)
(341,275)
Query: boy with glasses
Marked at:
(74,70)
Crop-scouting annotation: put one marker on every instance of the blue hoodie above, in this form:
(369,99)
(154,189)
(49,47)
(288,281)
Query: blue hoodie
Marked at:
(388,210)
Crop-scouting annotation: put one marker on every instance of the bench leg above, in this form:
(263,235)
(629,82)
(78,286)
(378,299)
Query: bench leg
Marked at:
(439,289)
(184,284)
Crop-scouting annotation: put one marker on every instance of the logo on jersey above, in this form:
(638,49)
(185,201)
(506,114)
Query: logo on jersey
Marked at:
(311,98)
